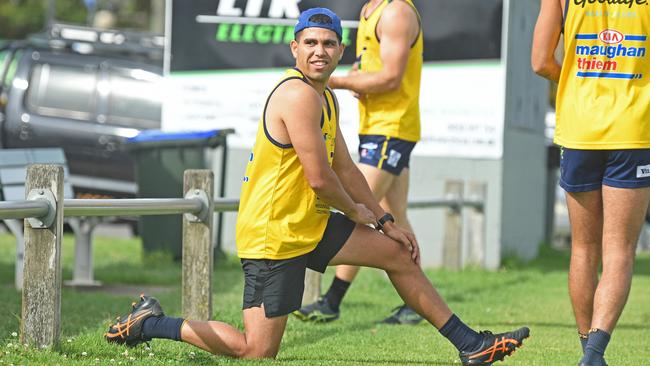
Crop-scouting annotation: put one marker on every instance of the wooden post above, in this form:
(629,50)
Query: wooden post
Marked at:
(312,287)
(476,226)
(41,306)
(452,252)
(197,247)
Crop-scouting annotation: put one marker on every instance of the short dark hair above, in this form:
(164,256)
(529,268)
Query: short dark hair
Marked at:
(321,19)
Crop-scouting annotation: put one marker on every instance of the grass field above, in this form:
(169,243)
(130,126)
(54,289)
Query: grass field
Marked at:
(534,294)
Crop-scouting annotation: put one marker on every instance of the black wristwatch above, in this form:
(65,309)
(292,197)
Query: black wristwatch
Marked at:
(382,221)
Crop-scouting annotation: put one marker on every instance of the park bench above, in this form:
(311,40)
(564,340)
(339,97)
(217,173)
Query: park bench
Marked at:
(13,172)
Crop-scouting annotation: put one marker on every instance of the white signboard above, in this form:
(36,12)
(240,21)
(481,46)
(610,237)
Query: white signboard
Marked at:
(462,106)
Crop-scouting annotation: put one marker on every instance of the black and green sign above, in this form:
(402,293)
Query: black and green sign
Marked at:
(235,34)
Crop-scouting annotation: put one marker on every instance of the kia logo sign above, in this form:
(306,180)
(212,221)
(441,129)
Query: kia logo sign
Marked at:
(611,36)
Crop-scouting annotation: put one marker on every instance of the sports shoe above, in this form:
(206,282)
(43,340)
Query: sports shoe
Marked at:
(128,329)
(495,347)
(403,315)
(318,312)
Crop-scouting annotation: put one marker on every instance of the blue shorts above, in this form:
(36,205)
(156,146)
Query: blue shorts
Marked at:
(589,170)
(384,152)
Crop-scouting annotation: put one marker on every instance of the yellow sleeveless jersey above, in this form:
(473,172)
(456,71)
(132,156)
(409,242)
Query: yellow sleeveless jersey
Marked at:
(280,216)
(603,100)
(397,113)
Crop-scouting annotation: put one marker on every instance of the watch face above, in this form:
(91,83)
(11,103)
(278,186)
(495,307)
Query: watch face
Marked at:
(386,217)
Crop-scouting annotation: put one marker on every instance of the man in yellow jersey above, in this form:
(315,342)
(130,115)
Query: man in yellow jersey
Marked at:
(603,127)
(386,79)
(299,167)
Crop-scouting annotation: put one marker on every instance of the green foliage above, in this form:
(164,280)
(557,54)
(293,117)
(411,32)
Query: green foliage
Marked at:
(533,294)
(20,18)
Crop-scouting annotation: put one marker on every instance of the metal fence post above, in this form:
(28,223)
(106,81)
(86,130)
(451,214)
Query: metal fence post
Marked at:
(452,251)
(197,247)
(16,228)
(312,287)
(83,251)
(41,300)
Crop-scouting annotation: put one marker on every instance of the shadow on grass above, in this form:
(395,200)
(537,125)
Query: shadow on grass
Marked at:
(80,312)
(319,332)
(471,293)
(381,361)
(547,260)
(554,260)
(227,273)
(92,308)
(532,325)
(6,273)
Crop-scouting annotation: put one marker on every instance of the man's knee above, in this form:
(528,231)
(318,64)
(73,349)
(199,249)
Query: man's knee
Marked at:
(616,261)
(400,259)
(589,253)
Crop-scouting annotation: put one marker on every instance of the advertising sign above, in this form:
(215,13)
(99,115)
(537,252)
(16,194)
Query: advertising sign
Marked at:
(226,55)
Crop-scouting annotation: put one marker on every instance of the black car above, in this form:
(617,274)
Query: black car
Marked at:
(87,91)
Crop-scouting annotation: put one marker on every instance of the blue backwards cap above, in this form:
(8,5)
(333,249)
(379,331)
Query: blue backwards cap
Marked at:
(304,22)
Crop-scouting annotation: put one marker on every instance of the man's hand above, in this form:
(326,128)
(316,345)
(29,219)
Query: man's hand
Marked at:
(405,238)
(334,82)
(361,215)
(338,82)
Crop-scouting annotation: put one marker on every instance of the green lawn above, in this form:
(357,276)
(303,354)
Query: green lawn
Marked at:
(534,294)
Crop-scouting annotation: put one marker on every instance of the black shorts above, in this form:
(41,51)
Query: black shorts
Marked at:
(279,284)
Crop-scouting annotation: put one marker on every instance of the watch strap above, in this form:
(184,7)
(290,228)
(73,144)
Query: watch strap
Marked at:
(383,220)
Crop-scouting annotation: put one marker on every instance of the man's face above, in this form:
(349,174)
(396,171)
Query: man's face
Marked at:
(317,52)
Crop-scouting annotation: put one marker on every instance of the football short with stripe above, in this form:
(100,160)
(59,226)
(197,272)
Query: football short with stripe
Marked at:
(385,152)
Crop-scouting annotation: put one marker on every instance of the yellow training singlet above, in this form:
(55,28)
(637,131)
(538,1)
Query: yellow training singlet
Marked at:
(280,216)
(603,100)
(397,113)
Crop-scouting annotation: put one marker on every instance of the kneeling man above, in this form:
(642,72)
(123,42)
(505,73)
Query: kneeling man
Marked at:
(299,168)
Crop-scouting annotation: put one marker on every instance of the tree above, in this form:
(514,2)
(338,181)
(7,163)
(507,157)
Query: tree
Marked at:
(19,18)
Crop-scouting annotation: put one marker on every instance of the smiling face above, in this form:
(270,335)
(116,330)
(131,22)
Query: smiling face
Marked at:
(317,52)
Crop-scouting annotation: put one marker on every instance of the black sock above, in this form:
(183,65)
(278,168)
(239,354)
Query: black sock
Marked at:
(335,294)
(464,338)
(583,341)
(596,345)
(162,327)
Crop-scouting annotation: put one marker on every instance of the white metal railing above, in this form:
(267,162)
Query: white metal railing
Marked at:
(167,206)
(452,203)
(43,211)
(22,209)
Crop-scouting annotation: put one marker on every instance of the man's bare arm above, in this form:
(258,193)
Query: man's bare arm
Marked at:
(545,40)
(399,25)
(299,108)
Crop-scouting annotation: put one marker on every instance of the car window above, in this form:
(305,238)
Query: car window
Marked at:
(135,98)
(62,91)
